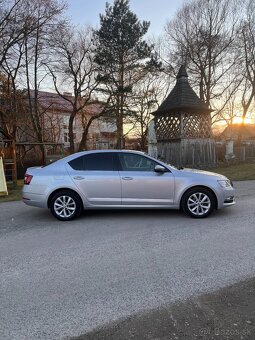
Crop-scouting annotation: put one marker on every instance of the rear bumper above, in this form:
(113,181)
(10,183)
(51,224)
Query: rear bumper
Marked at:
(35,200)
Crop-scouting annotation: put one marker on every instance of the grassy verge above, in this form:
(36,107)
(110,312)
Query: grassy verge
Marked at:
(237,172)
(14,193)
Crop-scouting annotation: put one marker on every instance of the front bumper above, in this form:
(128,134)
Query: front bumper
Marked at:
(226,197)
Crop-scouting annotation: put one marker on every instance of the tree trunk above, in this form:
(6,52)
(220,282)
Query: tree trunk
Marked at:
(83,143)
(70,133)
(241,127)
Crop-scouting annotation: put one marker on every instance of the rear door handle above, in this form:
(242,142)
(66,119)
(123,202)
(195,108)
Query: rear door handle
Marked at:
(78,177)
(127,178)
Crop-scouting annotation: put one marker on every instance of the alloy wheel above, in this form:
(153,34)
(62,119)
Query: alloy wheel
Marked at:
(199,204)
(64,206)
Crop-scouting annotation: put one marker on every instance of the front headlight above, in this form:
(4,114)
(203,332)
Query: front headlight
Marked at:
(225,183)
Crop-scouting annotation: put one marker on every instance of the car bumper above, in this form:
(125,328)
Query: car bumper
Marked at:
(226,198)
(35,200)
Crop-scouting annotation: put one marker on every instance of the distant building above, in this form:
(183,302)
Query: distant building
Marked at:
(55,113)
(232,131)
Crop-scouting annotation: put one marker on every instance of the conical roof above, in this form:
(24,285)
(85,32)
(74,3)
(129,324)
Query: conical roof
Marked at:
(182,97)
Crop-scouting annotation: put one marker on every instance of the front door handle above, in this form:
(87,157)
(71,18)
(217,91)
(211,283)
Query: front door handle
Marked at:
(127,178)
(78,177)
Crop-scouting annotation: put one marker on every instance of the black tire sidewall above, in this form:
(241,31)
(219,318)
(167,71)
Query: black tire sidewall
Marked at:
(184,201)
(75,197)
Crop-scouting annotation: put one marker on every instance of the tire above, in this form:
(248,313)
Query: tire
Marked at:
(66,205)
(198,202)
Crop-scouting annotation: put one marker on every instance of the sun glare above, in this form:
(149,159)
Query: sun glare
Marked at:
(239,120)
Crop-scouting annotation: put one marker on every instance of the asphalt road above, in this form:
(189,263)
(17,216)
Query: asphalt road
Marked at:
(59,280)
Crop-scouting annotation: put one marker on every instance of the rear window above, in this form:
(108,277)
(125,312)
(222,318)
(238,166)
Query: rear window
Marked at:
(94,162)
(77,163)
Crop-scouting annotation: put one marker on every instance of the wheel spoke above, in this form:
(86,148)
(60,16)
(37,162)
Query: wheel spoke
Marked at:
(205,198)
(205,205)
(58,205)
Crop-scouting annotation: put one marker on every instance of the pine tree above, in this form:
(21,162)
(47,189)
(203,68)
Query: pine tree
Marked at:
(123,57)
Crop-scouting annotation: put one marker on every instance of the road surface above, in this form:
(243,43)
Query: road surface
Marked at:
(62,279)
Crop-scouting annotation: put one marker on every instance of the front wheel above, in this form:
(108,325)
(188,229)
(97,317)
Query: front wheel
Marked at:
(198,202)
(66,205)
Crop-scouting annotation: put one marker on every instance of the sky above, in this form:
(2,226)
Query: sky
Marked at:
(156,11)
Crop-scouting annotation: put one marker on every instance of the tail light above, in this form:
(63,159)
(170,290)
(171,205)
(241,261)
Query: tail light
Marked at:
(27,179)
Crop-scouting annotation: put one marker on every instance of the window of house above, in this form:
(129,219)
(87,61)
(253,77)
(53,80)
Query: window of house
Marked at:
(65,122)
(66,137)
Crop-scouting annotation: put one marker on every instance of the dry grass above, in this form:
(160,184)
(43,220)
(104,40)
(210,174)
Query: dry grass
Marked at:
(237,172)
(14,193)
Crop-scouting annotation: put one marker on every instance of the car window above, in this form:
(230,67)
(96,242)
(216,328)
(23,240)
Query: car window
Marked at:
(77,163)
(134,162)
(94,162)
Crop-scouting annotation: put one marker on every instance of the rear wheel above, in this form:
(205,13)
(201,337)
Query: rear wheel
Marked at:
(198,202)
(66,205)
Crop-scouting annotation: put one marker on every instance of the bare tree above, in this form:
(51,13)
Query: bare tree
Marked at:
(12,107)
(73,68)
(245,48)
(203,33)
(148,94)
(19,19)
(36,52)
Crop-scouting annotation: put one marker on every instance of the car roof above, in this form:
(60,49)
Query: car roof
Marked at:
(106,151)
(81,153)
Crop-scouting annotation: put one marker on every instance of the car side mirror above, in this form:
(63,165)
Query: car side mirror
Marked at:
(159,168)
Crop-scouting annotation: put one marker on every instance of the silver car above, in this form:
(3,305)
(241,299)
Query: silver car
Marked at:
(123,179)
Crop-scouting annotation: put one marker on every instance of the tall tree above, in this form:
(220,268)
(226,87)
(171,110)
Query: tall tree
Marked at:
(203,33)
(46,13)
(123,57)
(245,51)
(73,67)
(148,94)
(12,107)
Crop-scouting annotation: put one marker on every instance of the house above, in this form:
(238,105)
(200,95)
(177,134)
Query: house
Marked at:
(232,131)
(55,113)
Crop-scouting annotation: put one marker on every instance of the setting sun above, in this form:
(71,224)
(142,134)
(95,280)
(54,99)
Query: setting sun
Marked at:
(240,120)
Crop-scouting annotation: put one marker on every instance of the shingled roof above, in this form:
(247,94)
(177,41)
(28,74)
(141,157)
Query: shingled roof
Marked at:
(182,97)
(52,101)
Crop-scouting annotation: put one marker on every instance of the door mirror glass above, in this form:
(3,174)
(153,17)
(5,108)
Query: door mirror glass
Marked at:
(159,168)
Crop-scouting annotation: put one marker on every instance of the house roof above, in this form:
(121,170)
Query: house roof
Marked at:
(54,102)
(232,131)
(182,97)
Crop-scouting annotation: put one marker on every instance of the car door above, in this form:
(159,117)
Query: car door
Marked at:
(141,185)
(97,177)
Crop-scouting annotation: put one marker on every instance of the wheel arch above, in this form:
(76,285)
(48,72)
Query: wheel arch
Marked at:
(200,186)
(53,193)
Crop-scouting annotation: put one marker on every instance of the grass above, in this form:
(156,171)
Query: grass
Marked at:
(14,193)
(237,172)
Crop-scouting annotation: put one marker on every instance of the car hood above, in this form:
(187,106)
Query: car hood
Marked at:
(196,172)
